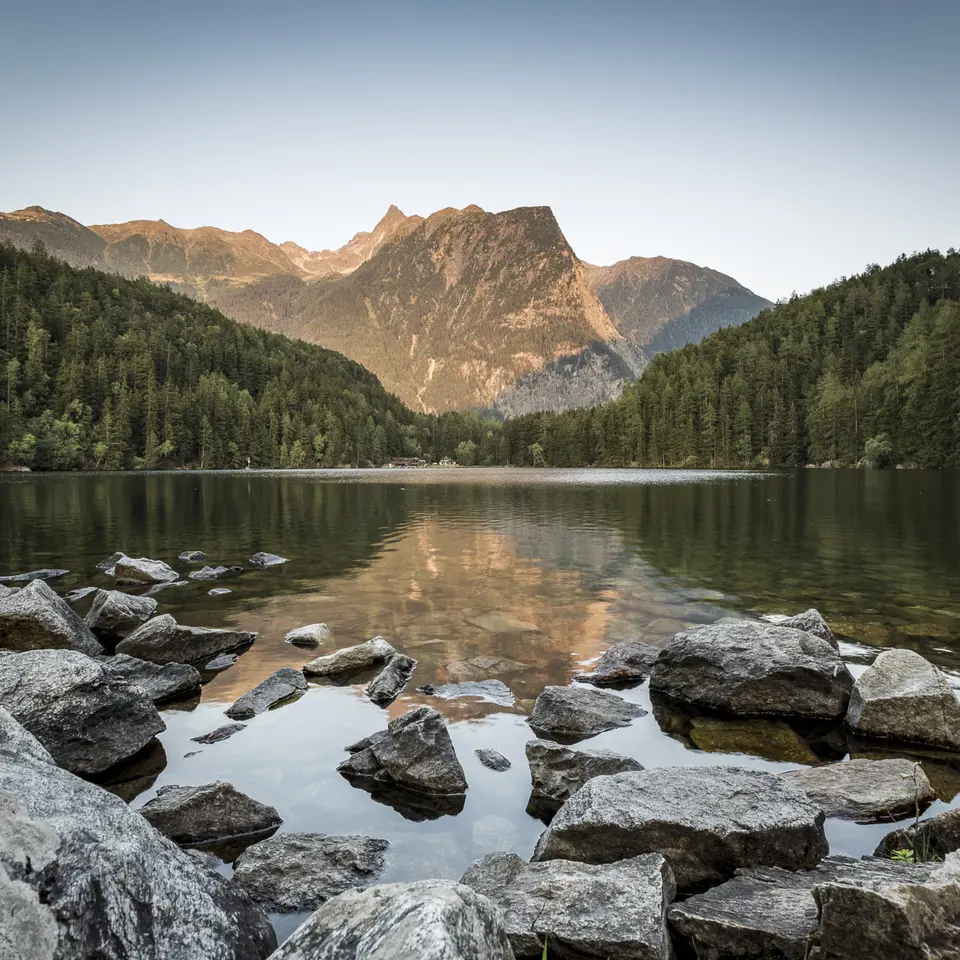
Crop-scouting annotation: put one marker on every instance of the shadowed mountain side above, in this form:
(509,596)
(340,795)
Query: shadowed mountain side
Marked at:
(64,237)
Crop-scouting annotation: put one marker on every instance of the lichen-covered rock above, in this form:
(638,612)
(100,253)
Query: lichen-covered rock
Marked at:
(362,656)
(575,713)
(426,920)
(930,839)
(283,685)
(311,635)
(163,640)
(86,876)
(558,772)
(114,615)
(624,663)
(299,871)
(492,759)
(88,718)
(904,697)
(264,560)
(752,668)
(707,821)
(162,682)
(810,621)
(387,685)
(138,570)
(35,618)
(866,790)
(582,910)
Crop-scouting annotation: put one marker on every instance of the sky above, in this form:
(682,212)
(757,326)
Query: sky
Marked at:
(784,143)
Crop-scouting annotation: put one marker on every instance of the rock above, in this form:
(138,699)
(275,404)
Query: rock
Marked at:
(34,575)
(753,668)
(213,811)
(222,662)
(624,663)
(930,839)
(192,556)
(351,659)
(299,871)
(86,716)
(16,741)
(35,618)
(866,790)
(426,920)
(114,887)
(583,910)
(109,565)
(415,752)
(312,635)
(208,573)
(811,622)
(491,691)
(218,592)
(906,698)
(558,772)
(387,685)
(707,821)
(263,560)
(283,685)
(492,759)
(169,681)
(483,668)
(770,912)
(221,733)
(143,570)
(7,591)
(114,615)
(577,712)
(73,597)
(163,640)
(157,587)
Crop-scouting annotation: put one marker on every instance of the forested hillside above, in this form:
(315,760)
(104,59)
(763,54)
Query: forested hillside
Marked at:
(867,368)
(98,371)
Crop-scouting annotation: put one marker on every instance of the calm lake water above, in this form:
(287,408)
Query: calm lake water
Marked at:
(548,568)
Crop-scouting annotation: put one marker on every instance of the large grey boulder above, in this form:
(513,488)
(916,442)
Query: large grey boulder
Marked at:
(139,570)
(745,667)
(35,618)
(163,640)
(162,682)
(89,877)
(929,839)
(351,659)
(810,621)
(582,910)
(387,685)
(575,713)
(212,811)
(558,772)
(414,752)
(426,920)
(623,664)
(707,821)
(299,871)
(114,615)
(283,685)
(866,790)
(904,697)
(311,635)
(87,717)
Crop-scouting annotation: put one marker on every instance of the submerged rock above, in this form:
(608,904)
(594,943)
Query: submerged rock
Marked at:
(114,615)
(218,592)
(286,684)
(87,717)
(112,886)
(34,575)
(483,668)
(299,871)
(866,790)
(221,733)
(312,635)
(492,759)
(351,659)
(904,697)
(583,910)
(263,560)
(35,618)
(192,556)
(745,667)
(492,691)
(558,772)
(169,681)
(578,712)
(387,685)
(143,570)
(624,663)
(930,839)
(163,640)
(427,920)
(212,811)
(707,821)
(208,573)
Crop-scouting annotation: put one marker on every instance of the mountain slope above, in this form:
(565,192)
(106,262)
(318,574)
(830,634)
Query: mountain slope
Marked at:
(62,236)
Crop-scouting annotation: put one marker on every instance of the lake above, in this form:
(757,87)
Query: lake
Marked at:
(547,568)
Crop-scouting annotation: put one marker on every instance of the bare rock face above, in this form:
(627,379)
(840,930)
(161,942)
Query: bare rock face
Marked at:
(866,790)
(114,615)
(87,717)
(426,920)
(707,821)
(756,669)
(576,713)
(582,910)
(931,839)
(162,682)
(904,697)
(143,570)
(284,685)
(351,659)
(299,871)
(213,811)
(623,664)
(35,618)
(163,640)
(390,681)
(312,635)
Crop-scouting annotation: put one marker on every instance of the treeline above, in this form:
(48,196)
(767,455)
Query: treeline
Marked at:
(866,370)
(101,372)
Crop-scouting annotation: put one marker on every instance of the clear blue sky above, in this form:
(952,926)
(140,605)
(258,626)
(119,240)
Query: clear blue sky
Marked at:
(784,143)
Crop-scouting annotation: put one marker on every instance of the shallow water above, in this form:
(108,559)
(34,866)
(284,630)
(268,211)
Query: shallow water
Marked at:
(547,568)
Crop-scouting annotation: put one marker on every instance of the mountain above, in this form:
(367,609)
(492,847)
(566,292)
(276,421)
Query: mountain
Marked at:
(662,304)
(64,237)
